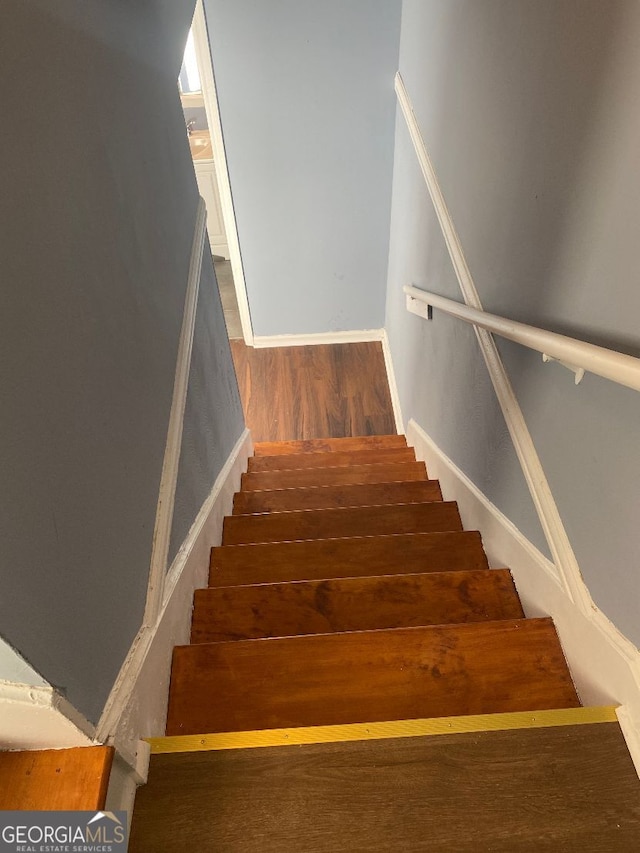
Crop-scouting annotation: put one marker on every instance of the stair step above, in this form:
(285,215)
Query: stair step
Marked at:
(347,475)
(55,779)
(347,521)
(332,459)
(542,790)
(315,445)
(319,559)
(353,604)
(325,497)
(401,673)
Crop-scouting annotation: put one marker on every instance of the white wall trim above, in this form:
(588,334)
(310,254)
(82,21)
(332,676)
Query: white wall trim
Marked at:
(226,485)
(356,336)
(36,717)
(210,94)
(169,476)
(536,480)
(605,665)
(393,385)
(124,780)
(136,707)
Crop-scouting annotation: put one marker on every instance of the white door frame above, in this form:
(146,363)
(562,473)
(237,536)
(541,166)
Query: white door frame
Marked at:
(210,96)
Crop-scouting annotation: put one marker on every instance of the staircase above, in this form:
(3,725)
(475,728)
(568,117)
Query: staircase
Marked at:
(359,679)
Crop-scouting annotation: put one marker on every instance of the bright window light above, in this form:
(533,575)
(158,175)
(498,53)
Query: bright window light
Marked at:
(190,66)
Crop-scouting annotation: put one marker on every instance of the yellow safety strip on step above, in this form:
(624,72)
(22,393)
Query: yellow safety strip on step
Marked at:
(380,730)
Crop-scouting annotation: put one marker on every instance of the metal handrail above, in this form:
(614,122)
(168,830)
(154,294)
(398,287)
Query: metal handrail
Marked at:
(615,366)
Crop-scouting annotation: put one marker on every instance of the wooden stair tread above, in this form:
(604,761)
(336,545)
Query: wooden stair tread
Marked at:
(330,459)
(319,559)
(529,790)
(402,673)
(315,445)
(345,593)
(353,604)
(55,779)
(325,497)
(347,521)
(347,475)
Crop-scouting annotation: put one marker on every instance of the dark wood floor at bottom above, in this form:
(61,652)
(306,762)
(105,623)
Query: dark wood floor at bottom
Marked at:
(563,789)
(322,391)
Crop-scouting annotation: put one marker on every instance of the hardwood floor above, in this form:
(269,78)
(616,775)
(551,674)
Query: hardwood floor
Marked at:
(323,391)
(566,789)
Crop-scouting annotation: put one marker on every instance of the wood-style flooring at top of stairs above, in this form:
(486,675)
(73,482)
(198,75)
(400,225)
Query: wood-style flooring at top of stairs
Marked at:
(334,604)
(314,392)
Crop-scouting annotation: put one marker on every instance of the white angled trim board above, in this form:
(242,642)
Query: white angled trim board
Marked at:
(137,705)
(169,477)
(605,665)
(357,336)
(393,385)
(536,480)
(210,95)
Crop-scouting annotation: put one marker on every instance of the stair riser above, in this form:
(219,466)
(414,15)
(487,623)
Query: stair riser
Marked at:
(328,445)
(407,673)
(326,497)
(334,558)
(354,604)
(336,523)
(337,459)
(345,476)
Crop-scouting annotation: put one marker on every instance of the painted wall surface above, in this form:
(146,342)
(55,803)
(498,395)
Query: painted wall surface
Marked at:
(213,416)
(307,109)
(15,668)
(529,112)
(97,214)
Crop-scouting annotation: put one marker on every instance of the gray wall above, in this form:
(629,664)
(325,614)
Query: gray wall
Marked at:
(307,107)
(529,111)
(213,417)
(97,213)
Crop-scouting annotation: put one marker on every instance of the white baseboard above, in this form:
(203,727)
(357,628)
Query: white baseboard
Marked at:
(36,717)
(137,705)
(121,793)
(393,385)
(124,779)
(357,336)
(604,664)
